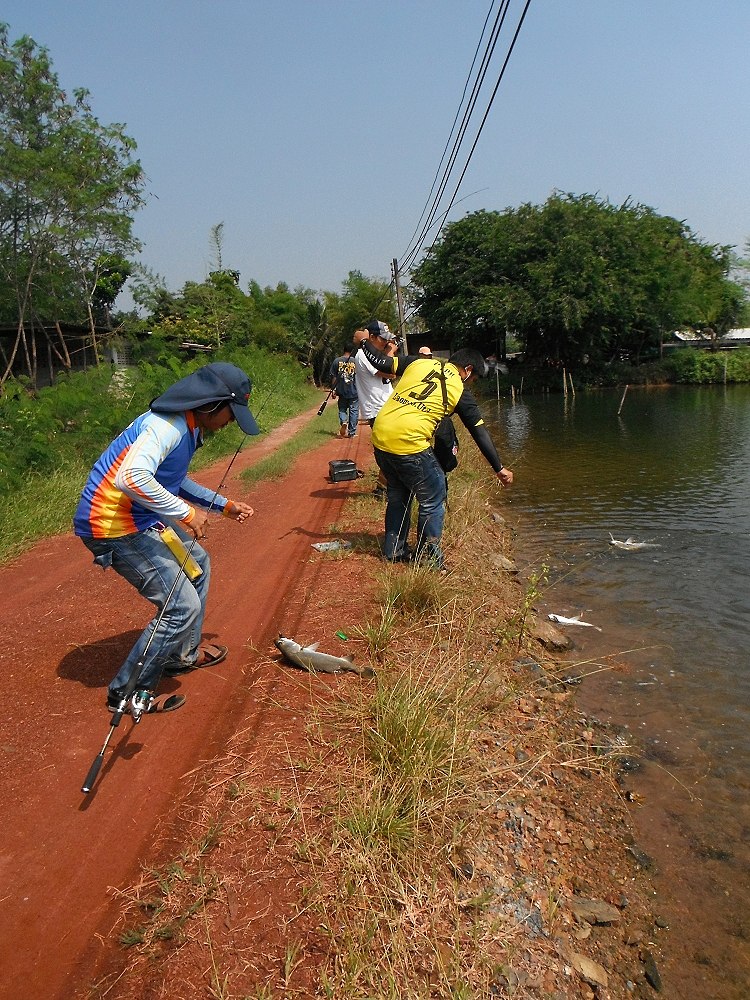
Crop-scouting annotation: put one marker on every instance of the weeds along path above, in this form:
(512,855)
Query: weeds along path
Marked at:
(67,626)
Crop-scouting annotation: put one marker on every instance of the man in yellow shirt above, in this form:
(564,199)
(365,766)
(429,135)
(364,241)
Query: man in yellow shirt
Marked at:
(428,389)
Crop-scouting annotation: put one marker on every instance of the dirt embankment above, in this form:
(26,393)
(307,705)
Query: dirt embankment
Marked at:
(69,861)
(68,626)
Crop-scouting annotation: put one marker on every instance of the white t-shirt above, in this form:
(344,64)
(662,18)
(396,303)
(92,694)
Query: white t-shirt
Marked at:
(372,390)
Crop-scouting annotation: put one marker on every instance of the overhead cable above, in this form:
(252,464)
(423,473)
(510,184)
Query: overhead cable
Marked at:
(415,246)
(453,126)
(411,253)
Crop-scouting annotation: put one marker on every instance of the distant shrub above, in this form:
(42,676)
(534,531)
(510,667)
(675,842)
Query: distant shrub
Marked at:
(689,365)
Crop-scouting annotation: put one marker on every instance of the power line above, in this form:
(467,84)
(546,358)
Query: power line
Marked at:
(415,246)
(492,98)
(453,126)
(434,216)
(409,255)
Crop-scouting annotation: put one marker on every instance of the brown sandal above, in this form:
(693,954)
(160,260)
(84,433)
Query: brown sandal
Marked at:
(209,654)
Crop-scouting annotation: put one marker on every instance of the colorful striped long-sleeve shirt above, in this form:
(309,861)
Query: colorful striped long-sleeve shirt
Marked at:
(141,479)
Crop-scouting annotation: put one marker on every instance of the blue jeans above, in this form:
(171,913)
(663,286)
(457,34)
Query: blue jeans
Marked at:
(410,476)
(145,561)
(348,413)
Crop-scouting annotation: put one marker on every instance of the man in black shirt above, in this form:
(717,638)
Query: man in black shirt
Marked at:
(344,387)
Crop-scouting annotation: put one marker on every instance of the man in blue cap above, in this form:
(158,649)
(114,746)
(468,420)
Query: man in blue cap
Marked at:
(138,487)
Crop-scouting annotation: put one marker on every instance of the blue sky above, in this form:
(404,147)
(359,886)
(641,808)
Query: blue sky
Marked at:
(313,129)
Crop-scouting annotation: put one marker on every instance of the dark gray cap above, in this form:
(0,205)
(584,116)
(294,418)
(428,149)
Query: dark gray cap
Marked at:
(219,382)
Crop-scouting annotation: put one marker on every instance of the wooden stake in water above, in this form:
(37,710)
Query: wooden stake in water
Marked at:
(623,399)
(565,383)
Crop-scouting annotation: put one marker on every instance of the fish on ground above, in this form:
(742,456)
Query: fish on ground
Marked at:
(631,545)
(331,546)
(308,658)
(575,620)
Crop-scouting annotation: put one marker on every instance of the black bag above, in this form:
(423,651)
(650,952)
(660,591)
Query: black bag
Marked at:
(445,445)
(342,469)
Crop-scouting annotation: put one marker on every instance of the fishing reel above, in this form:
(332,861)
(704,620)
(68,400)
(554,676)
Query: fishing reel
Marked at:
(140,702)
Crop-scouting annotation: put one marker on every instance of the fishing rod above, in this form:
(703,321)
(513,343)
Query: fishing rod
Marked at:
(265,399)
(325,402)
(138,701)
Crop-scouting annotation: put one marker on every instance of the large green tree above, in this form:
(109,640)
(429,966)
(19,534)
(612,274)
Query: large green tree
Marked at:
(69,187)
(575,280)
(216,313)
(313,326)
(360,300)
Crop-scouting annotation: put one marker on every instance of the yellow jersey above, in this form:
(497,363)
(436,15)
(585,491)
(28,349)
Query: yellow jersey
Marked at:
(427,391)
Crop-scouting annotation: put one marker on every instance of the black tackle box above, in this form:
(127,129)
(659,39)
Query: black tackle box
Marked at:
(343,469)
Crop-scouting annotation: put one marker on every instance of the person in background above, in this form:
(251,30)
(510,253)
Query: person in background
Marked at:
(374,387)
(344,388)
(425,352)
(428,390)
(137,488)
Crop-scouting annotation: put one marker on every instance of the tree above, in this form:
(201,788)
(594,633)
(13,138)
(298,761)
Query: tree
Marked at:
(361,299)
(716,303)
(576,280)
(216,313)
(69,187)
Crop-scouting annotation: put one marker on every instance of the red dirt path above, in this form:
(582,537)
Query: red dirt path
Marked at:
(67,627)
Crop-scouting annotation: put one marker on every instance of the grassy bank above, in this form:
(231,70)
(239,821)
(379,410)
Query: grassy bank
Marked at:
(49,439)
(432,834)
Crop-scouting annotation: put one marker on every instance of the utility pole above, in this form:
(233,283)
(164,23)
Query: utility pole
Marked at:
(400,302)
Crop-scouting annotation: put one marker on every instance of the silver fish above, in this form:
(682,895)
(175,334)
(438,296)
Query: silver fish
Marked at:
(308,658)
(562,620)
(630,544)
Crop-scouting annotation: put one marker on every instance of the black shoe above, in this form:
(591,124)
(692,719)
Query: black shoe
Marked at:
(379,492)
(406,557)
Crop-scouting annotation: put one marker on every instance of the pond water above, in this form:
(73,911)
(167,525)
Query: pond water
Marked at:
(672,660)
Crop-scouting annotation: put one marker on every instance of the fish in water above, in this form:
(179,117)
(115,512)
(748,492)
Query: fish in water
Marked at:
(630,544)
(562,620)
(308,658)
